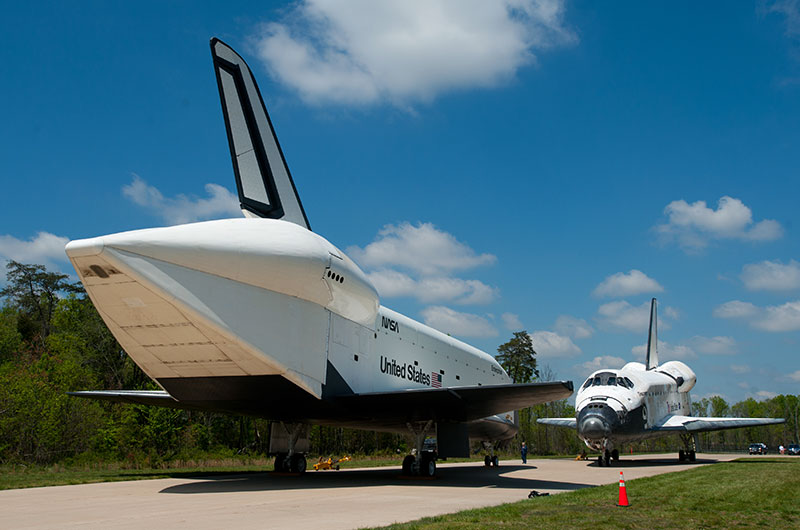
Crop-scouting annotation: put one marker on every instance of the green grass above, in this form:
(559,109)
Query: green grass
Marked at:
(24,476)
(745,493)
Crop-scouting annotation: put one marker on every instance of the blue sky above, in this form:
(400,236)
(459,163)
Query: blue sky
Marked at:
(493,167)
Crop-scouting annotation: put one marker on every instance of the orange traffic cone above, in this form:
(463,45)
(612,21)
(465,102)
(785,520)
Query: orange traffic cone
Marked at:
(623,494)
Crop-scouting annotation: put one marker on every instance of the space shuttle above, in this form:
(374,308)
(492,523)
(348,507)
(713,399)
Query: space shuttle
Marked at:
(261,316)
(640,401)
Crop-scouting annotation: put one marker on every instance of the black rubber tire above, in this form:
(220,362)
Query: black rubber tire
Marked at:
(298,463)
(615,455)
(280,463)
(495,461)
(427,467)
(692,456)
(681,455)
(408,465)
(487,461)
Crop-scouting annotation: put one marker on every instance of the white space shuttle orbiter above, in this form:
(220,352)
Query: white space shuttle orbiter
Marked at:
(262,316)
(639,401)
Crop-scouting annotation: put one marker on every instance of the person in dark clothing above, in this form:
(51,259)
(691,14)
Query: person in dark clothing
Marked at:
(524,452)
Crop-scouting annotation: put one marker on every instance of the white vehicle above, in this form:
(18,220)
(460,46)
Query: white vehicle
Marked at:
(261,316)
(639,401)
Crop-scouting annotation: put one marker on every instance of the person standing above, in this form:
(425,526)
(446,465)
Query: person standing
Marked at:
(524,452)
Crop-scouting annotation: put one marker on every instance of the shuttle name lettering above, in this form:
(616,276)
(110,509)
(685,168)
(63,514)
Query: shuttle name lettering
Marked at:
(405,371)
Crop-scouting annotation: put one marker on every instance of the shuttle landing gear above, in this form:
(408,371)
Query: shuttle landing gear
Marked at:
(689,453)
(291,462)
(607,456)
(491,459)
(422,463)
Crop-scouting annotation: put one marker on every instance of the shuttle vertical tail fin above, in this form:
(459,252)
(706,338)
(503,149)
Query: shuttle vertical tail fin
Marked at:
(652,338)
(263,180)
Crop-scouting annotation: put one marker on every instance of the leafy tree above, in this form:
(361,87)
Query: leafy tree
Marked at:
(518,358)
(34,292)
(10,338)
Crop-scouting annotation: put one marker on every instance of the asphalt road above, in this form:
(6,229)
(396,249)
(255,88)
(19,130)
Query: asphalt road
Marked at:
(326,499)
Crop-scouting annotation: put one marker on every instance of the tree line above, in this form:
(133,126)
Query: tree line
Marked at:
(52,341)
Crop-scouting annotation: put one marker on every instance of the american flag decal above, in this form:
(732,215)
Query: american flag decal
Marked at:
(436,380)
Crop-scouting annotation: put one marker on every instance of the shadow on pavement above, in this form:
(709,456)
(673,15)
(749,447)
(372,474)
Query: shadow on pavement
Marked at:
(622,463)
(458,477)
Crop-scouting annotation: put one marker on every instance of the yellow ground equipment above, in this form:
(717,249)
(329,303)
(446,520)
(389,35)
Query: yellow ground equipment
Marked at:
(330,463)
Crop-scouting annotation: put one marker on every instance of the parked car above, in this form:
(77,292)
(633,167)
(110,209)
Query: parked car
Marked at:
(793,449)
(758,449)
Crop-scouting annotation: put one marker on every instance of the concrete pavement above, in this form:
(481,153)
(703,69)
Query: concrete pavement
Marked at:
(327,499)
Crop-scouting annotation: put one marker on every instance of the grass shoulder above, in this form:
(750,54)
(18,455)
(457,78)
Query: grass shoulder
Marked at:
(31,476)
(746,492)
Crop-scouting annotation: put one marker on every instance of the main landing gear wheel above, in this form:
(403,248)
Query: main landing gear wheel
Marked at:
(298,463)
(681,455)
(692,456)
(280,463)
(495,461)
(615,455)
(427,467)
(408,465)
(487,461)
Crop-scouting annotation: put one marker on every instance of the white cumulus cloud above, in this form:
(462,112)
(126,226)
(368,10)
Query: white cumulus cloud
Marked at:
(422,248)
(456,323)
(636,319)
(622,284)
(549,344)
(576,328)
(666,352)
(742,369)
(795,376)
(392,283)
(693,225)
(511,321)
(714,345)
(778,318)
(784,317)
(181,209)
(766,394)
(735,309)
(601,362)
(771,276)
(44,249)
(364,52)
(418,261)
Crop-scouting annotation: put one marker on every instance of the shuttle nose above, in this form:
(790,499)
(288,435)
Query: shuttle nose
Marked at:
(594,427)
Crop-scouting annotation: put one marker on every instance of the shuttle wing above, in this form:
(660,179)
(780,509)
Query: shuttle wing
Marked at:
(159,398)
(455,404)
(698,424)
(569,423)
(460,404)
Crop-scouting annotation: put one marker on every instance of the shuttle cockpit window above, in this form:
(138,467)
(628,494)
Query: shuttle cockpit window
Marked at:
(605,378)
(621,382)
(588,383)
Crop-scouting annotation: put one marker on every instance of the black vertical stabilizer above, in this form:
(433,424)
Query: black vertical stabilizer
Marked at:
(652,338)
(263,180)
